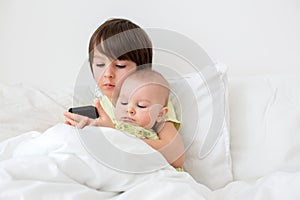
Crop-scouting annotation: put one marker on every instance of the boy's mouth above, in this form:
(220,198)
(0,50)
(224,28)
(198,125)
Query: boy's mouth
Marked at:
(109,85)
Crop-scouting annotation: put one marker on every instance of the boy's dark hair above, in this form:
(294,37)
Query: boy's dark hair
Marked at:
(122,39)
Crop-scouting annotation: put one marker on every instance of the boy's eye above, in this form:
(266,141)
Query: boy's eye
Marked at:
(100,65)
(124,103)
(121,66)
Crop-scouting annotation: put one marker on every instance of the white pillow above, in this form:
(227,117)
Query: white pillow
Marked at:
(265,125)
(200,100)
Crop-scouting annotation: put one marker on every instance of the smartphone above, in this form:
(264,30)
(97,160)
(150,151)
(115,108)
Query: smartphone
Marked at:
(88,111)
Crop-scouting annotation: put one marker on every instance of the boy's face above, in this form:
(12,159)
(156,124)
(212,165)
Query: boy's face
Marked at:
(141,104)
(107,73)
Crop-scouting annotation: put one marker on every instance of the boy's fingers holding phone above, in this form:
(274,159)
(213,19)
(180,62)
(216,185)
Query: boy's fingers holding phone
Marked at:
(68,119)
(80,121)
(84,121)
(76,120)
(70,122)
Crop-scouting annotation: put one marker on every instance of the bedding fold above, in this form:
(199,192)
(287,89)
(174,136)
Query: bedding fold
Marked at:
(38,165)
(57,164)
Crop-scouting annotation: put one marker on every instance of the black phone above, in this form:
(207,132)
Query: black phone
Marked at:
(88,111)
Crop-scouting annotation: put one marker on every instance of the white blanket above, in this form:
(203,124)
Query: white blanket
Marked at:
(276,186)
(57,165)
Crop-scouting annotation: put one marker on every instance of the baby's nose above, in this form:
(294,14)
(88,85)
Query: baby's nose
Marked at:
(130,110)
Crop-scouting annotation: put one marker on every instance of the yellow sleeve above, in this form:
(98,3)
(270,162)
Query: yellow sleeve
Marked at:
(108,107)
(171,115)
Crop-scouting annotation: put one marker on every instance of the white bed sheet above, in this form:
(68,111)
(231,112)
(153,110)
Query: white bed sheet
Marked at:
(54,165)
(24,108)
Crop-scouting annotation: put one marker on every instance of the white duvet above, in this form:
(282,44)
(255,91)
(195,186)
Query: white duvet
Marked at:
(56,165)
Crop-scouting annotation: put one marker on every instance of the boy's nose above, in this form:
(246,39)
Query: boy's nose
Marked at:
(109,71)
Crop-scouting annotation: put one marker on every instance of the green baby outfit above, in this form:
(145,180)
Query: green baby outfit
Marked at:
(136,131)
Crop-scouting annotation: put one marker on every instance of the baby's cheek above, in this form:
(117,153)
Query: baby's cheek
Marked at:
(153,113)
(118,112)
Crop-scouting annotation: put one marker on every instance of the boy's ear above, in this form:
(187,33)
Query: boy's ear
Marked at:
(162,114)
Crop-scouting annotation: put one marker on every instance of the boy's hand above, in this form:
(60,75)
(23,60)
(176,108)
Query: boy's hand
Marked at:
(80,121)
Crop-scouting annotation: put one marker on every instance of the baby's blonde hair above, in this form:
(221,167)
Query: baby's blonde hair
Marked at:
(147,76)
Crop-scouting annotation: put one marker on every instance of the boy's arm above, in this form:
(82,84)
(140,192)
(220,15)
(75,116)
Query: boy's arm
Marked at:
(169,144)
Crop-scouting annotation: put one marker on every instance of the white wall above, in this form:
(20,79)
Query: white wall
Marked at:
(45,42)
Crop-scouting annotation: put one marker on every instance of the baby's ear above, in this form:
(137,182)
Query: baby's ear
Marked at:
(162,114)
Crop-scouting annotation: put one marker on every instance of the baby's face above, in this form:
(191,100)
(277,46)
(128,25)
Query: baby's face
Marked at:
(141,104)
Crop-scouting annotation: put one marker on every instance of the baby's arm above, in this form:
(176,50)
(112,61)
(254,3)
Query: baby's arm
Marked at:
(170,144)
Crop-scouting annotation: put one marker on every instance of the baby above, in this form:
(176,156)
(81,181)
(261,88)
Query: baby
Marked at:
(141,104)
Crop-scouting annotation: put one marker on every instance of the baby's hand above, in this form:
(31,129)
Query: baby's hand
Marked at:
(80,121)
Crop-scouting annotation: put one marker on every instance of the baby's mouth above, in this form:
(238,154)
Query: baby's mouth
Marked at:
(128,119)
